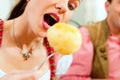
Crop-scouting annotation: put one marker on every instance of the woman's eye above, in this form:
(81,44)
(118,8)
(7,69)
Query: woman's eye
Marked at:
(71,6)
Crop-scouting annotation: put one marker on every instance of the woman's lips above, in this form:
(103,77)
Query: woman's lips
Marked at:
(55,16)
(46,25)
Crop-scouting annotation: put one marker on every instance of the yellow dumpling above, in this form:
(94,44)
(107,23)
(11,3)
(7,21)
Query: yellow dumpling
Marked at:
(64,38)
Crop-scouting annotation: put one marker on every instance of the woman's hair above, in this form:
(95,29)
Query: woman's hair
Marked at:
(18,9)
(109,1)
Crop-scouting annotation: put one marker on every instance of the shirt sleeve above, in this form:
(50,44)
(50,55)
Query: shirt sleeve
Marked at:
(80,68)
(63,65)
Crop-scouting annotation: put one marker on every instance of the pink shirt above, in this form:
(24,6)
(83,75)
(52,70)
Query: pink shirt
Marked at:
(82,60)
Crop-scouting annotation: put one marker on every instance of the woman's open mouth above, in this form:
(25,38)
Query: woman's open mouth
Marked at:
(50,19)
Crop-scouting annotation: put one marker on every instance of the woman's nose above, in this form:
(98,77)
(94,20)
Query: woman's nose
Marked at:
(62,8)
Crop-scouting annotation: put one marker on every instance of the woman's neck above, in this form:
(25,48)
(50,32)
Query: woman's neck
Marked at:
(22,32)
(20,36)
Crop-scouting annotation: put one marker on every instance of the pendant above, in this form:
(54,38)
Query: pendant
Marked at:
(25,54)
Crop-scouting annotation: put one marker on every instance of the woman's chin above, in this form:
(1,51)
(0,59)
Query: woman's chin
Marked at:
(42,34)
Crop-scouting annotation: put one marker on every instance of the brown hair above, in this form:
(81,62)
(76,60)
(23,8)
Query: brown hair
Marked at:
(18,9)
(109,1)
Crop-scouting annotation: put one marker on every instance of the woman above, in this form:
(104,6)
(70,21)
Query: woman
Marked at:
(24,45)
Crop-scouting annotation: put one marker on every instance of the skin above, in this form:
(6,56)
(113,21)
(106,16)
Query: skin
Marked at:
(28,28)
(34,19)
(113,17)
(29,75)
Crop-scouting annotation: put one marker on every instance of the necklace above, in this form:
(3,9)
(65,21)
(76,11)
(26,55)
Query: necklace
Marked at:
(26,52)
